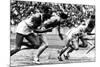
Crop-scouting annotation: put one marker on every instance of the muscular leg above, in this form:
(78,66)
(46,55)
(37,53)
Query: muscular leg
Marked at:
(83,42)
(19,39)
(36,41)
(33,40)
(67,42)
(39,41)
(75,44)
(71,48)
(44,45)
(63,50)
(27,44)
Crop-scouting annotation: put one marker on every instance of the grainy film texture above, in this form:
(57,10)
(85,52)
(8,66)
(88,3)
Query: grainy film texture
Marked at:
(51,33)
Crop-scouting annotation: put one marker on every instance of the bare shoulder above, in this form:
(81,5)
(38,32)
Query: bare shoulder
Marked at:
(37,15)
(55,18)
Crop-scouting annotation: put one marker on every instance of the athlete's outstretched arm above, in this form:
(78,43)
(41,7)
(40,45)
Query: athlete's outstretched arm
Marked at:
(43,31)
(59,32)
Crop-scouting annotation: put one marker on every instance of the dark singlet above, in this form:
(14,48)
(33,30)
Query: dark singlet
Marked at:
(37,21)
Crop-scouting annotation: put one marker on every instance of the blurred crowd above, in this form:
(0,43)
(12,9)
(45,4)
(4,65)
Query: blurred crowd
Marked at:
(22,9)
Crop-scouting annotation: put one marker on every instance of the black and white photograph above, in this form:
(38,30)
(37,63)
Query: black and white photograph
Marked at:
(44,33)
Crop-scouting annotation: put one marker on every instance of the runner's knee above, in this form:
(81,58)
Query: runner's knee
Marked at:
(75,45)
(17,48)
(35,43)
(46,46)
(76,48)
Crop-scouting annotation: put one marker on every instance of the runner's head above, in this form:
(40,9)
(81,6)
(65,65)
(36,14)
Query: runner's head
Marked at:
(63,15)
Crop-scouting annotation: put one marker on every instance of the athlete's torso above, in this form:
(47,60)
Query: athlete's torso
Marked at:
(24,25)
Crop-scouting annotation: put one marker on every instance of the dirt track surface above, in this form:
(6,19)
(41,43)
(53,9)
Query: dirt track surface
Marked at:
(49,56)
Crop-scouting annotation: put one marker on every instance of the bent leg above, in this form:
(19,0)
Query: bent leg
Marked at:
(64,49)
(67,42)
(66,54)
(33,40)
(44,45)
(19,39)
(75,44)
(83,42)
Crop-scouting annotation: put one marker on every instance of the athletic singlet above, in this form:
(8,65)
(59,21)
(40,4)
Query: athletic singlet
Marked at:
(74,31)
(52,22)
(24,26)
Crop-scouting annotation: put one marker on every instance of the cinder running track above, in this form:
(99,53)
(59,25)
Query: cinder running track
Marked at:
(25,56)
